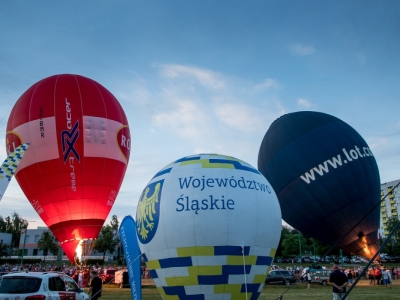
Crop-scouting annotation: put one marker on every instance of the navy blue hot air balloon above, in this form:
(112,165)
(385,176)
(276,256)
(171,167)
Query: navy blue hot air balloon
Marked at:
(326,179)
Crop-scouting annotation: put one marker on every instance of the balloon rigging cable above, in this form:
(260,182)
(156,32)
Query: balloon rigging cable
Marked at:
(5,116)
(283,277)
(244,271)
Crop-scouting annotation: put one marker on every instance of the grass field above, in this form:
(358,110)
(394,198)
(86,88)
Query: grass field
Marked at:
(298,291)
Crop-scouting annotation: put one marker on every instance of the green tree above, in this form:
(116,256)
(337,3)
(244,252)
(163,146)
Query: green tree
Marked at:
(321,248)
(106,241)
(3,249)
(393,245)
(3,225)
(48,242)
(290,243)
(285,230)
(114,223)
(14,225)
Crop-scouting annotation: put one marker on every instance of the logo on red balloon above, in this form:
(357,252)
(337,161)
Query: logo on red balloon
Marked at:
(13,140)
(68,140)
(124,141)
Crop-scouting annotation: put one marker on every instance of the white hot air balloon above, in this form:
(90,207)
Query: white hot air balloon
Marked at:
(208,226)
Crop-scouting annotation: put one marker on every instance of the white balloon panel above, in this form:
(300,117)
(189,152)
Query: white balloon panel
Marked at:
(208,226)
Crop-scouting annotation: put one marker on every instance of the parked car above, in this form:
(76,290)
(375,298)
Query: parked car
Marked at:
(355,260)
(280,277)
(107,276)
(364,260)
(40,286)
(326,260)
(314,266)
(2,274)
(396,259)
(316,257)
(345,260)
(282,260)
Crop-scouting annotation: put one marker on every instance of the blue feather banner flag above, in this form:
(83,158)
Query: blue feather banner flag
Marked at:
(127,233)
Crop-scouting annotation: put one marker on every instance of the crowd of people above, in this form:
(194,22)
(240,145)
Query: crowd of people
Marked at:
(377,274)
(374,273)
(382,276)
(340,278)
(81,274)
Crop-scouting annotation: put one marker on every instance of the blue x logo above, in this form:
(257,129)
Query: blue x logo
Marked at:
(68,140)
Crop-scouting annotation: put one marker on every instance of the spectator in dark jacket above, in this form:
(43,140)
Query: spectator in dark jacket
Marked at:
(339,281)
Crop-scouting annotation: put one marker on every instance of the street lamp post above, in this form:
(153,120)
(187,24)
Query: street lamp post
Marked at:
(23,248)
(314,249)
(59,255)
(300,248)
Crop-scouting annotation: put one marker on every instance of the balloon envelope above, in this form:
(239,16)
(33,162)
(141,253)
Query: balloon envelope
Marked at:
(80,145)
(208,226)
(326,179)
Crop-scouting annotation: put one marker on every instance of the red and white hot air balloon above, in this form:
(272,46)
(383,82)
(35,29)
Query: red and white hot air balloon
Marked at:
(79,151)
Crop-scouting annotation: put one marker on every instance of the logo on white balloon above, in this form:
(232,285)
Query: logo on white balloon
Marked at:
(148,211)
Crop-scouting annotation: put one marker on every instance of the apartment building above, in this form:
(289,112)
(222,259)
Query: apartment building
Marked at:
(390,207)
(28,243)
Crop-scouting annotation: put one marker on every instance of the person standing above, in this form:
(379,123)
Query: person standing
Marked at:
(95,286)
(350,276)
(371,276)
(339,282)
(378,275)
(80,279)
(389,279)
(308,280)
(385,276)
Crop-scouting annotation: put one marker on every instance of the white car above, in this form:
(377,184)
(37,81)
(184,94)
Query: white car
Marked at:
(40,286)
(355,261)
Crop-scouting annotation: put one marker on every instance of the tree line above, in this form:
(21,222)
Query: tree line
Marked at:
(106,241)
(291,240)
(14,225)
(289,245)
(392,247)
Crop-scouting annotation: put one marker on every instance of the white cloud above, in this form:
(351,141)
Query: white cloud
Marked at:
(198,119)
(184,116)
(304,102)
(300,49)
(203,115)
(239,117)
(267,84)
(204,77)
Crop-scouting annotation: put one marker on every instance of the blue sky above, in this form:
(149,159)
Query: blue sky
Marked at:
(210,76)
